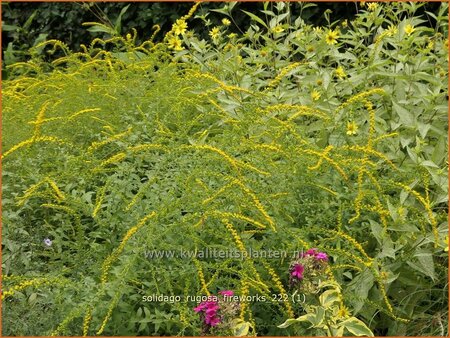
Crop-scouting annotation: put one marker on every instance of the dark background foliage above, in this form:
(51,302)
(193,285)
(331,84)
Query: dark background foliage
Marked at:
(27,24)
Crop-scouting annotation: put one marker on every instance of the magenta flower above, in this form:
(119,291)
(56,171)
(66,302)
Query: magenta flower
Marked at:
(298,271)
(210,311)
(204,305)
(311,252)
(228,293)
(321,256)
(209,308)
(200,307)
(212,320)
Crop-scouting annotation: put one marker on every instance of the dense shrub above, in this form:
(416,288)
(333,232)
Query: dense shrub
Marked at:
(287,137)
(27,24)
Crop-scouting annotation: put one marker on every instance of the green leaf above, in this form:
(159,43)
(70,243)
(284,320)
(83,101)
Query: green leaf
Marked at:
(406,117)
(118,24)
(424,264)
(361,285)
(309,317)
(319,316)
(412,155)
(438,154)
(9,28)
(288,323)
(9,54)
(254,17)
(240,328)
(337,331)
(357,327)
(387,249)
(32,298)
(27,24)
(328,298)
(428,163)
(101,29)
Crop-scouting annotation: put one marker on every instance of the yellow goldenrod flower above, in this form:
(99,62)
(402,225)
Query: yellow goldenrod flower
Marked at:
(232,35)
(214,33)
(372,6)
(179,27)
(352,128)
(315,95)
(340,73)
(175,43)
(401,211)
(277,29)
(409,29)
(277,282)
(86,322)
(191,11)
(344,23)
(226,22)
(331,37)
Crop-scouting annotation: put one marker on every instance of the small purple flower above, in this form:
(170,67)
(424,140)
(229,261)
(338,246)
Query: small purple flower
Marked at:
(48,242)
(321,256)
(298,271)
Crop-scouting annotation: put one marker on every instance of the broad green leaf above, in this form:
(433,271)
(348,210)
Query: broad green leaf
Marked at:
(387,249)
(9,28)
(241,328)
(337,331)
(309,317)
(357,327)
(256,18)
(118,23)
(439,150)
(361,285)
(428,163)
(424,264)
(406,117)
(412,155)
(328,298)
(318,317)
(101,29)
(288,323)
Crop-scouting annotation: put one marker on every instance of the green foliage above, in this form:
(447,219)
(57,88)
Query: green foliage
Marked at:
(330,317)
(27,24)
(282,138)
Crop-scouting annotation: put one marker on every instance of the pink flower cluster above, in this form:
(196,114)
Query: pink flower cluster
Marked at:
(299,269)
(210,309)
(320,256)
